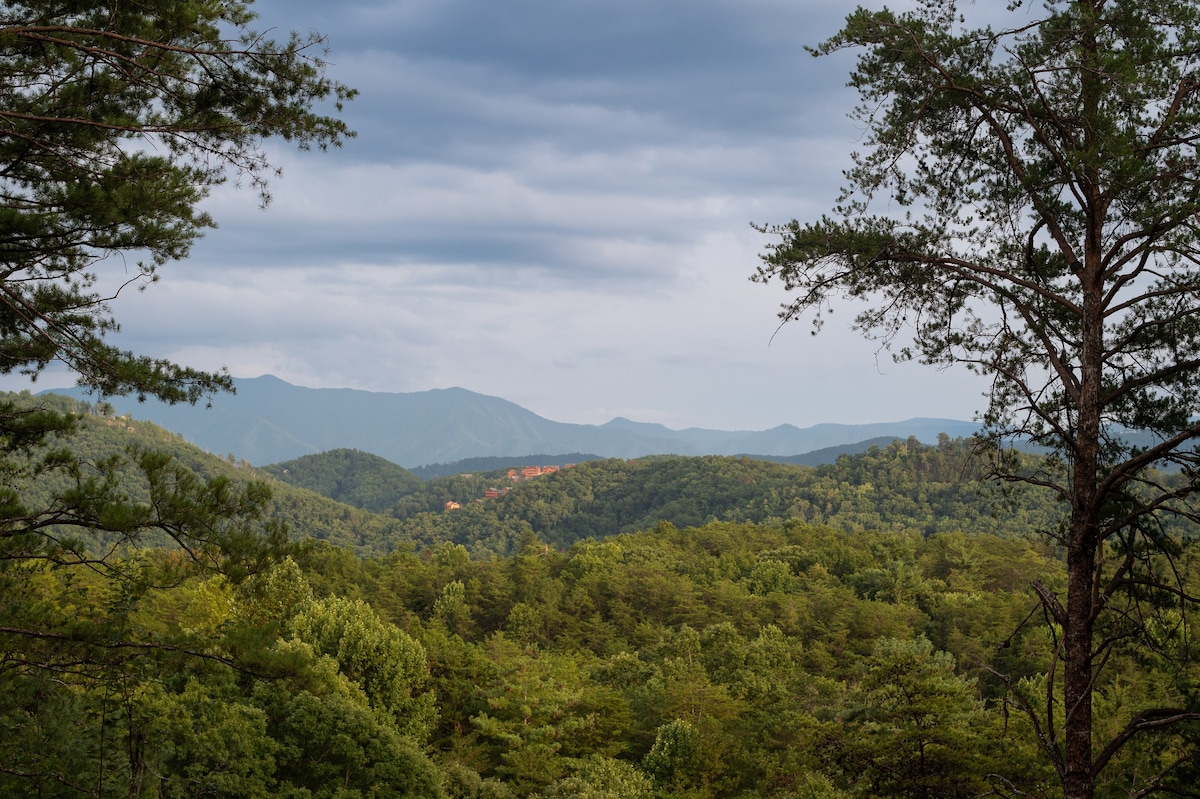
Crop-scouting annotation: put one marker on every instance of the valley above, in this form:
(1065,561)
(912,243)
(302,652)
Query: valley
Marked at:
(666,626)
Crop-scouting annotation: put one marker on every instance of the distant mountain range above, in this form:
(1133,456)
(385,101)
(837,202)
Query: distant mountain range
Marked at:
(269,420)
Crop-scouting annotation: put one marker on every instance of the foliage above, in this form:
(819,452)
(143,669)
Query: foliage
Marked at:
(1040,229)
(388,665)
(602,778)
(915,728)
(666,651)
(116,119)
(906,485)
(224,701)
(493,463)
(356,478)
(773,660)
(94,437)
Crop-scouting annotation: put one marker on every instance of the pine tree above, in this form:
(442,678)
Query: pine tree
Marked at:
(1026,205)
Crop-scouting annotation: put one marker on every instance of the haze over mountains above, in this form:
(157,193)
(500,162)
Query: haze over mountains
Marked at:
(269,420)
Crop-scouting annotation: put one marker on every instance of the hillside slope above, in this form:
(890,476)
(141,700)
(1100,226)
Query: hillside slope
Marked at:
(906,485)
(347,475)
(306,513)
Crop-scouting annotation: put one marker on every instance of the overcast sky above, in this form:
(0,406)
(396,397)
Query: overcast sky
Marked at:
(548,201)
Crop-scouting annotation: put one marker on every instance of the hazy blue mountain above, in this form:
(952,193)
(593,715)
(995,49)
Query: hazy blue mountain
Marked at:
(269,421)
(827,455)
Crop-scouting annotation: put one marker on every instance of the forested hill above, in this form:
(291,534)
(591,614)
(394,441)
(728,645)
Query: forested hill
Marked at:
(728,659)
(100,434)
(747,642)
(492,463)
(347,475)
(906,485)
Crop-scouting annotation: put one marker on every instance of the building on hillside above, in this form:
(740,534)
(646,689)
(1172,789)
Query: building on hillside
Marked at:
(529,472)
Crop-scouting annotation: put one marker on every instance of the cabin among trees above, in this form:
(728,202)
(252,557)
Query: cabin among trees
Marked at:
(529,472)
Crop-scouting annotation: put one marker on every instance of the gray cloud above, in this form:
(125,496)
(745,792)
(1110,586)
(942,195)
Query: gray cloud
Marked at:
(547,201)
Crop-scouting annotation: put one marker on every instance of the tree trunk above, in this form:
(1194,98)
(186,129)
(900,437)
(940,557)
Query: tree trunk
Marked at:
(1077,666)
(1083,541)
(1079,782)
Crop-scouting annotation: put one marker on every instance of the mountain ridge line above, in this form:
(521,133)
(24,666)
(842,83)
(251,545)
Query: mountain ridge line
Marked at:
(269,420)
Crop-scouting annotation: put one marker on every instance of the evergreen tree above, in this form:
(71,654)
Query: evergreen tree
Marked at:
(1042,186)
(116,119)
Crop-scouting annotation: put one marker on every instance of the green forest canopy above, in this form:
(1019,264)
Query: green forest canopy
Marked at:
(778,656)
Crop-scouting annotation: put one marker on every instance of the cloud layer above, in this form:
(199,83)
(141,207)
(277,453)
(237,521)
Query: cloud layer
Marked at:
(548,202)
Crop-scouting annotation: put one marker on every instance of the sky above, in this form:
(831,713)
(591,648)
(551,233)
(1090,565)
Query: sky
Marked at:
(548,201)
